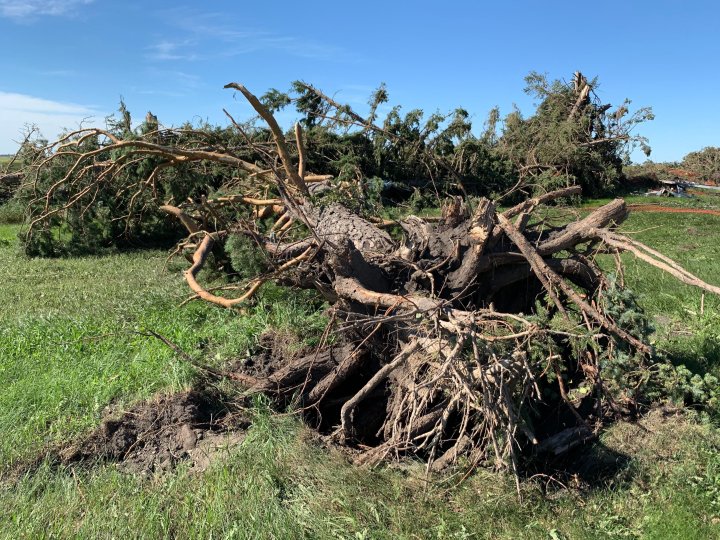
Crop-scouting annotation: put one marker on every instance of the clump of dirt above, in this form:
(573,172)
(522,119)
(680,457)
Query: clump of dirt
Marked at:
(274,350)
(154,436)
(191,427)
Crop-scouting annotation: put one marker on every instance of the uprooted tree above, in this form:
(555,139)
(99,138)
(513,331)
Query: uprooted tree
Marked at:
(476,335)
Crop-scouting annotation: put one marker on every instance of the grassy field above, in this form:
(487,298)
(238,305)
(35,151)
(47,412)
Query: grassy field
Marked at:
(4,161)
(72,343)
(682,329)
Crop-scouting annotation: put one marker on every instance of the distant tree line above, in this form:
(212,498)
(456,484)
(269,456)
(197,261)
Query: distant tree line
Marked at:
(701,166)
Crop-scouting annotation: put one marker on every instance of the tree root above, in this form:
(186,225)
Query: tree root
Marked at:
(477,338)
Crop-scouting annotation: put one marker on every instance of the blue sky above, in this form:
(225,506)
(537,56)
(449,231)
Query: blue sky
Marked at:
(65,60)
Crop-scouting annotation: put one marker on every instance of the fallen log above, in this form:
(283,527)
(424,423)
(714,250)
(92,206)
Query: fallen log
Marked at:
(456,338)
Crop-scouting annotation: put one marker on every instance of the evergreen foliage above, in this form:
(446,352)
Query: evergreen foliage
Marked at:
(108,214)
(572,138)
(705,163)
(246,259)
(380,159)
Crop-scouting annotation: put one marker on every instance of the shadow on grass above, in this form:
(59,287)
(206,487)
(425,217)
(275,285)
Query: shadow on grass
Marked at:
(700,353)
(588,467)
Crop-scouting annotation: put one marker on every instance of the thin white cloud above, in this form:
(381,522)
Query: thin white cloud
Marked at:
(239,43)
(22,9)
(171,50)
(212,37)
(58,73)
(164,93)
(288,44)
(167,82)
(10,101)
(51,117)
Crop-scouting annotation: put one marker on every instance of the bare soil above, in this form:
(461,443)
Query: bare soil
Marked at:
(154,436)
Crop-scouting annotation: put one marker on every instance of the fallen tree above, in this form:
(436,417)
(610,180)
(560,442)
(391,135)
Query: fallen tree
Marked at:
(475,336)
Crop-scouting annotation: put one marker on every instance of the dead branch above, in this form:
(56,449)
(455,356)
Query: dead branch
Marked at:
(282,148)
(188,222)
(653,257)
(436,333)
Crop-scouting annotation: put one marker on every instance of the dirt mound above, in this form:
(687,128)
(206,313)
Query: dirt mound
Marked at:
(273,350)
(272,354)
(155,435)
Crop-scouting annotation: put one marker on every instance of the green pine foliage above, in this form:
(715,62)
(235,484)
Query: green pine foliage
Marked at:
(114,214)
(388,157)
(246,258)
(704,163)
(563,144)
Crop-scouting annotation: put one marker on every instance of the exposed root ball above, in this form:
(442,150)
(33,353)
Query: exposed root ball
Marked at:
(474,337)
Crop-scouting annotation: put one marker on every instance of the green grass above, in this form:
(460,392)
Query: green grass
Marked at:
(5,160)
(278,484)
(69,347)
(700,199)
(689,335)
(71,339)
(693,240)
